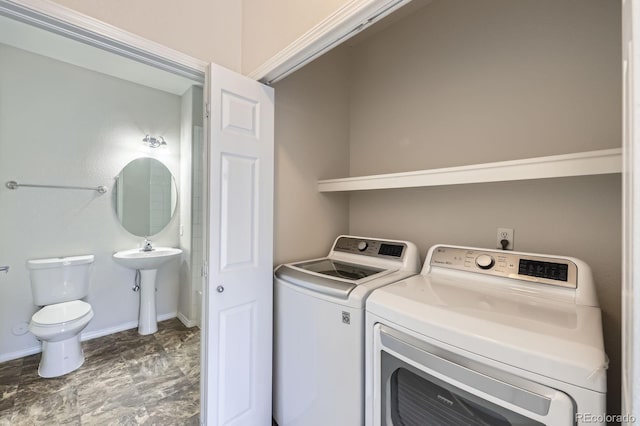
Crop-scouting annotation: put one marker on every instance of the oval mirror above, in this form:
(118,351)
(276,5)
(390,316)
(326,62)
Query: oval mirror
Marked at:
(145,196)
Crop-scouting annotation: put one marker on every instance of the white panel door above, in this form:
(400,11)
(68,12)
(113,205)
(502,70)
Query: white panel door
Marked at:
(237,328)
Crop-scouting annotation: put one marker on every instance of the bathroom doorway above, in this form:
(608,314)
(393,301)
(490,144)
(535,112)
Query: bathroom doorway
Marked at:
(72,114)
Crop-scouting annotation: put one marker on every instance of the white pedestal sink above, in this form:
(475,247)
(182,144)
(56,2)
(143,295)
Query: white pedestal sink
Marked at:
(148,263)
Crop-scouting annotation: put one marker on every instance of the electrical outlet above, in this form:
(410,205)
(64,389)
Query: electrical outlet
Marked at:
(505,234)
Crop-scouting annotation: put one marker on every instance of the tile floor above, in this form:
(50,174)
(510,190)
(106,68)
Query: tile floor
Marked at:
(126,379)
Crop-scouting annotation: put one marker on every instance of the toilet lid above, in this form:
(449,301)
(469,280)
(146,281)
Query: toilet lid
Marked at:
(61,312)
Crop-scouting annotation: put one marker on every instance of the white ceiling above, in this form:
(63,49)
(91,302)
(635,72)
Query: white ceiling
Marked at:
(45,43)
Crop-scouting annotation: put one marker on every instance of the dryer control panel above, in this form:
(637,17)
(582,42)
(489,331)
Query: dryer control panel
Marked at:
(366,247)
(522,266)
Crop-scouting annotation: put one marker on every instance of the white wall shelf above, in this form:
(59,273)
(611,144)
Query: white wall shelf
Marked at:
(600,162)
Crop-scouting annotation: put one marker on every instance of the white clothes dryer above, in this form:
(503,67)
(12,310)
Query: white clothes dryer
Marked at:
(486,337)
(319,328)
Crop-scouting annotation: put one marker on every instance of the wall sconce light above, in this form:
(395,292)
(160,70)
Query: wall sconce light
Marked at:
(154,142)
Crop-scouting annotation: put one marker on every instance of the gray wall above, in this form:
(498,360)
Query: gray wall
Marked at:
(457,83)
(61,124)
(464,82)
(579,217)
(312,135)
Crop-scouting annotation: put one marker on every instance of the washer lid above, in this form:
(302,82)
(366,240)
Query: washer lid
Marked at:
(61,313)
(338,269)
(555,339)
(329,276)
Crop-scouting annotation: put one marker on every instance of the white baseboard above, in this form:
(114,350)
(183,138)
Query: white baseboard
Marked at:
(21,353)
(186,321)
(165,317)
(87,336)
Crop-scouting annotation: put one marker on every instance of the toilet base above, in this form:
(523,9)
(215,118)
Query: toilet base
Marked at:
(61,357)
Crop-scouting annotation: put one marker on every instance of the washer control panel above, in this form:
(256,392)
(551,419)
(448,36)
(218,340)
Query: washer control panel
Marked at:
(376,248)
(546,270)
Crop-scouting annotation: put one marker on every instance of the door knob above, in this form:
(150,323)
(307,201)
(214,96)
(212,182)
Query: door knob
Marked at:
(4,269)
(220,289)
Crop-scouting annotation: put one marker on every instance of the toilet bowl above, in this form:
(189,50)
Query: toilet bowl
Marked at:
(58,327)
(57,285)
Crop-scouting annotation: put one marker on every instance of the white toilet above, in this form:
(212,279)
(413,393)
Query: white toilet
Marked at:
(57,284)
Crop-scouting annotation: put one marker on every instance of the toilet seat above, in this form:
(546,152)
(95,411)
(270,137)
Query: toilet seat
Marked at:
(61,313)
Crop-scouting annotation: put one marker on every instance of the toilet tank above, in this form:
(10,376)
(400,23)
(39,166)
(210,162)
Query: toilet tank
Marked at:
(60,279)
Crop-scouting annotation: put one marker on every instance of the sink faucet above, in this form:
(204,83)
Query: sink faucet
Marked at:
(147,245)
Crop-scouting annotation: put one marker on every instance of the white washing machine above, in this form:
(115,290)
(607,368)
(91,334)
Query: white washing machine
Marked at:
(486,337)
(319,328)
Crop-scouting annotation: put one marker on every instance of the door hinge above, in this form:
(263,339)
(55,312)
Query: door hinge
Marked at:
(207,109)
(205,269)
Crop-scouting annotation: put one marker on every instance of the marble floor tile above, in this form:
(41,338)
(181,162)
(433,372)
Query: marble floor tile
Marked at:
(130,339)
(150,366)
(181,407)
(120,403)
(26,421)
(29,370)
(5,417)
(39,386)
(175,340)
(166,388)
(148,348)
(174,324)
(59,407)
(187,359)
(108,388)
(10,371)
(117,416)
(127,379)
(100,350)
(8,396)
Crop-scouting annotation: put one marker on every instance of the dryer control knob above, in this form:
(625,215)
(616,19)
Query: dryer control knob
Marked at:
(362,245)
(484,261)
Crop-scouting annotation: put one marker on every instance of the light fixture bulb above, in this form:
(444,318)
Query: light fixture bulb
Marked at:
(154,142)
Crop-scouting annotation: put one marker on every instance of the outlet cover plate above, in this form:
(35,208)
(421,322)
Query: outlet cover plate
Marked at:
(505,234)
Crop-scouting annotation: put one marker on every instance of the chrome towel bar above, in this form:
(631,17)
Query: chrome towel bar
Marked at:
(12,184)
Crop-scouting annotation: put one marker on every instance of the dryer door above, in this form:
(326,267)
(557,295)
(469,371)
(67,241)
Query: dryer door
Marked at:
(421,384)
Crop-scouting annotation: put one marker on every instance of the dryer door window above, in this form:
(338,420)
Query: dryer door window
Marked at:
(417,399)
(421,384)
